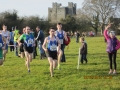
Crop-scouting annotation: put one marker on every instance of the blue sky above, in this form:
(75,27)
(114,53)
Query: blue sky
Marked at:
(33,7)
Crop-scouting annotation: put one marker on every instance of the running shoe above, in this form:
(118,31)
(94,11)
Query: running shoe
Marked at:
(114,72)
(29,71)
(59,67)
(110,72)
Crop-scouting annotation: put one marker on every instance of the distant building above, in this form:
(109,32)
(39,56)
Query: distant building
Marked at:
(56,13)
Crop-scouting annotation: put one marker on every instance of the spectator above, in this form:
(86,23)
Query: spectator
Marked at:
(77,37)
(40,39)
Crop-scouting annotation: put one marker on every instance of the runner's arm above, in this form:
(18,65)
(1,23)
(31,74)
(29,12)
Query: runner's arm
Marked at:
(44,44)
(19,39)
(59,45)
(65,36)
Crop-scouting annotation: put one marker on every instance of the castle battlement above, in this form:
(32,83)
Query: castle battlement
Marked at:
(57,12)
(71,5)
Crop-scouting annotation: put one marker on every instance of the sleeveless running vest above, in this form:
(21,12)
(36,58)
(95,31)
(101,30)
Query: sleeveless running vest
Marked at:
(60,36)
(52,44)
(6,35)
(29,40)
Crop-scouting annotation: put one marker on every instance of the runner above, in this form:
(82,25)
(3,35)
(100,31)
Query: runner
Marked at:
(2,47)
(6,35)
(28,46)
(53,46)
(61,35)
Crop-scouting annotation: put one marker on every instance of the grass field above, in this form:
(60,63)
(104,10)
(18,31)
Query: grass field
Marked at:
(91,76)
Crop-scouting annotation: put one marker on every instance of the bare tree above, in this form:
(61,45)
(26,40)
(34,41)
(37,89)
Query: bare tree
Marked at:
(83,22)
(91,16)
(105,9)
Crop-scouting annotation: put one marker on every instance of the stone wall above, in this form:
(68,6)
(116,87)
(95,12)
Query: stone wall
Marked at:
(57,12)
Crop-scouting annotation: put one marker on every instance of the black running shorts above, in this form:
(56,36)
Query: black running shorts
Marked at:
(52,54)
(28,49)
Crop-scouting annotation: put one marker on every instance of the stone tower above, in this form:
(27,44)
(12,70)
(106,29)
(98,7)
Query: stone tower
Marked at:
(56,13)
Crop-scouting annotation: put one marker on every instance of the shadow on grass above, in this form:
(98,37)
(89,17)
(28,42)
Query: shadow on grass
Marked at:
(98,63)
(91,63)
(100,72)
(78,73)
(96,55)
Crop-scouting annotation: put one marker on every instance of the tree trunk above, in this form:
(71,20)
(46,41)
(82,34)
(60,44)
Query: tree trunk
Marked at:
(96,30)
(102,28)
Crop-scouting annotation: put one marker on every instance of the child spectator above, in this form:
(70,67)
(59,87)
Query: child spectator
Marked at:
(83,50)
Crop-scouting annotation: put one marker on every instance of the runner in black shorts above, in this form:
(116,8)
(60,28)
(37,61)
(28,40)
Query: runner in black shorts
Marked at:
(28,45)
(53,47)
(52,54)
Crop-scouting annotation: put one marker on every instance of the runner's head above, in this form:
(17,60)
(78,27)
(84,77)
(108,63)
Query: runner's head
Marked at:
(27,30)
(4,27)
(59,26)
(37,28)
(52,31)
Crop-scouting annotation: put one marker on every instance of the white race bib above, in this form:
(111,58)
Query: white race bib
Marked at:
(30,41)
(61,41)
(53,47)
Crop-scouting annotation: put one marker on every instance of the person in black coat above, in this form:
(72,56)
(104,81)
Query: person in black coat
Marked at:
(40,39)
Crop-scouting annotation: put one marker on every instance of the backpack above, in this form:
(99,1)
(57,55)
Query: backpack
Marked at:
(67,42)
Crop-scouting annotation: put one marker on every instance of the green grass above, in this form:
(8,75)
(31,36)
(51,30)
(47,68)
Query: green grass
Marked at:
(14,75)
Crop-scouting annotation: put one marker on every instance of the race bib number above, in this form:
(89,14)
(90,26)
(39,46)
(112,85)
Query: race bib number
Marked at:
(7,41)
(61,41)
(30,41)
(53,48)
